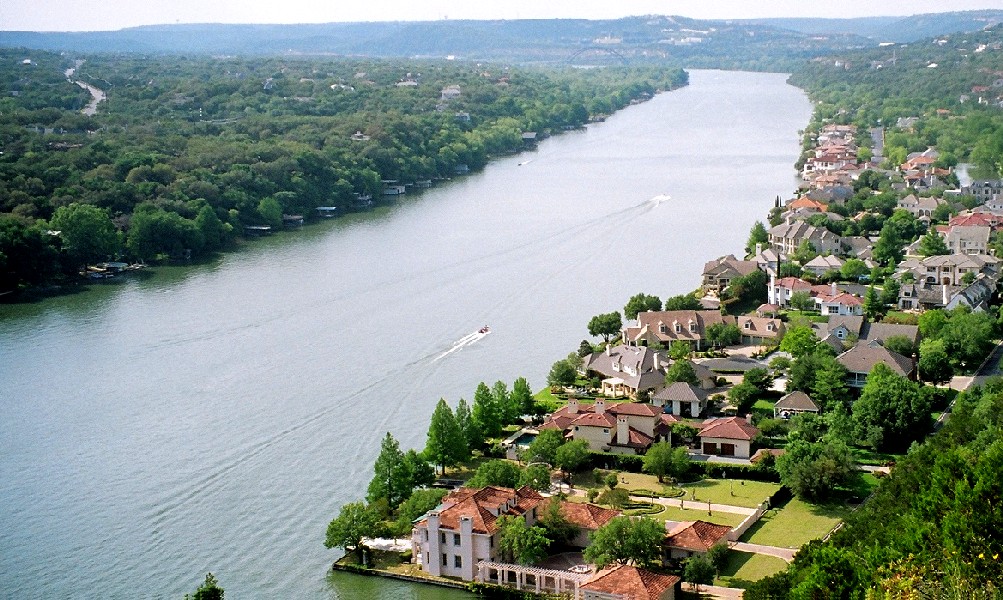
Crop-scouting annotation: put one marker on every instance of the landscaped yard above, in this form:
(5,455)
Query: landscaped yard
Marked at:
(795,523)
(736,492)
(744,568)
(764,407)
(674,513)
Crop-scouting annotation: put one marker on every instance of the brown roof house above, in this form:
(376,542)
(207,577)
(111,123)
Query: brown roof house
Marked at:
(794,403)
(728,436)
(667,326)
(626,370)
(761,331)
(693,537)
(620,428)
(717,274)
(860,359)
(462,531)
(627,582)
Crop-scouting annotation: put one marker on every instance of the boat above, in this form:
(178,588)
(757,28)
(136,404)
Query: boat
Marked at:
(484,329)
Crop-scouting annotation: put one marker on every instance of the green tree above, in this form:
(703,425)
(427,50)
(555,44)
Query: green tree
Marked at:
(932,244)
(470,428)
(354,522)
(558,529)
(536,476)
(607,325)
(215,233)
(723,334)
(390,480)
(522,397)
(814,470)
(663,460)
(760,377)
(419,472)
(757,235)
(853,268)
(798,341)
(718,556)
(900,344)
(683,302)
(544,447)
(87,232)
(519,543)
(561,374)
(270,212)
(500,473)
(888,249)
(501,399)
(681,370)
(680,350)
(209,590)
(445,445)
(640,303)
(890,292)
(623,540)
(802,301)
(698,570)
(934,364)
(614,498)
(571,455)
(743,396)
(873,308)
(486,415)
(420,502)
(749,289)
(891,413)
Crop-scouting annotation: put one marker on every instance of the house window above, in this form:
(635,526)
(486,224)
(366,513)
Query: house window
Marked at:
(679,328)
(442,537)
(747,325)
(605,430)
(445,560)
(662,328)
(693,327)
(426,558)
(458,561)
(491,542)
(456,539)
(426,535)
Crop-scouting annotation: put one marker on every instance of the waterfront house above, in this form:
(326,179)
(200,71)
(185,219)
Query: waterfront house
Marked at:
(717,274)
(839,303)
(667,326)
(968,239)
(787,237)
(626,370)
(727,436)
(782,289)
(823,264)
(452,539)
(619,428)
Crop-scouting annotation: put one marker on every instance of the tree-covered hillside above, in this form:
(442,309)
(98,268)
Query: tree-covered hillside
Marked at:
(187,152)
(950,90)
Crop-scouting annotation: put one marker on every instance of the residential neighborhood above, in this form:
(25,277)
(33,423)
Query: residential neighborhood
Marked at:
(845,331)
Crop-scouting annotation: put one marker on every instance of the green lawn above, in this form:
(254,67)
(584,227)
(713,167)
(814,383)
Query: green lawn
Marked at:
(744,568)
(674,513)
(736,492)
(866,456)
(795,523)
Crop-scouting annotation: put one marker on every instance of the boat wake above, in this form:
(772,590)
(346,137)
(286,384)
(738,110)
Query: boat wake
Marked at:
(465,341)
(659,199)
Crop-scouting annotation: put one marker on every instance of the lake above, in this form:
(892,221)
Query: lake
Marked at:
(214,418)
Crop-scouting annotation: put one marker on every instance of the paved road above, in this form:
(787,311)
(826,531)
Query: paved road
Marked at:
(785,553)
(725,593)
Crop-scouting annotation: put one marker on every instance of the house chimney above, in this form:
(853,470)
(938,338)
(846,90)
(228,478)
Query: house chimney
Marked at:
(835,292)
(622,431)
(915,370)
(944,294)
(600,407)
(759,248)
(607,349)
(573,406)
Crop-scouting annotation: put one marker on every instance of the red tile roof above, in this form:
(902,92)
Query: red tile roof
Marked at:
(595,420)
(631,583)
(729,428)
(484,505)
(585,516)
(696,536)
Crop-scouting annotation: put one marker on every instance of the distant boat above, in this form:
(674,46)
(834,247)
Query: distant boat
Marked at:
(484,329)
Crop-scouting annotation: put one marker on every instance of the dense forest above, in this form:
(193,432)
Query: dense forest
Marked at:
(186,153)
(945,92)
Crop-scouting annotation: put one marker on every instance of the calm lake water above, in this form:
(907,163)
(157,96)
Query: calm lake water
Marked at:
(216,417)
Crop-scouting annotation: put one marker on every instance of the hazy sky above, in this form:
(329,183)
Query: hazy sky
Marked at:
(88,15)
